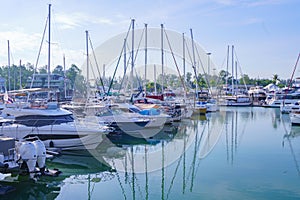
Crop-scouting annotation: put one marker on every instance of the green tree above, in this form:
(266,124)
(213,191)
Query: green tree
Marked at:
(72,73)
(275,78)
(189,78)
(58,70)
(150,86)
(77,81)
(43,70)
(223,76)
(246,80)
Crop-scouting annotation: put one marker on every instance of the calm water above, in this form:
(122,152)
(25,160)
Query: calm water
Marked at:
(237,153)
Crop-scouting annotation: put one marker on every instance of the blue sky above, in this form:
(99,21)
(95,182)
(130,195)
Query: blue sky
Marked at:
(265,33)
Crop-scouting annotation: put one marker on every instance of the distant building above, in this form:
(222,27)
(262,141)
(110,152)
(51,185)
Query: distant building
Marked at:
(57,82)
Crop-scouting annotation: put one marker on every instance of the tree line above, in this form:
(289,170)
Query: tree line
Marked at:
(17,77)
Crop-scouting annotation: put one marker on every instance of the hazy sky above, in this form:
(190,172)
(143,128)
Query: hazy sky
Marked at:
(265,33)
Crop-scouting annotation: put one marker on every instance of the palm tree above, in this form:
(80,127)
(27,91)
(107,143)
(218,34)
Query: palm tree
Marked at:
(275,79)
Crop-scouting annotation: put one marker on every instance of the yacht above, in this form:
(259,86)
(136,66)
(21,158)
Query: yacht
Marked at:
(200,108)
(65,136)
(257,93)
(275,100)
(37,110)
(155,115)
(114,117)
(236,100)
(295,117)
(287,108)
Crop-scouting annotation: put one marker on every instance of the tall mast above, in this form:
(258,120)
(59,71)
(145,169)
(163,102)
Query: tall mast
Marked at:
(49,45)
(104,72)
(145,58)
(155,90)
(65,86)
(194,60)
(183,60)
(8,50)
(208,67)
(87,57)
(132,56)
(232,65)
(183,54)
(125,60)
(227,67)
(236,77)
(20,74)
(162,59)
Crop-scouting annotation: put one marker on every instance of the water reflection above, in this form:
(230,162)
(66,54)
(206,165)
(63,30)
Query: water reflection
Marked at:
(76,167)
(31,190)
(176,149)
(129,153)
(292,140)
(170,159)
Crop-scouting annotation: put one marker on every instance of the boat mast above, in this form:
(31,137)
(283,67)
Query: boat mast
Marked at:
(104,73)
(87,57)
(49,46)
(145,58)
(162,58)
(227,68)
(236,77)
(125,60)
(183,60)
(65,86)
(20,74)
(155,90)
(132,56)
(232,65)
(194,61)
(208,76)
(8,57)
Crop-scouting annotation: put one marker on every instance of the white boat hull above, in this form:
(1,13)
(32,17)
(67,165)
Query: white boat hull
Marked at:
(64,136)
(295,118)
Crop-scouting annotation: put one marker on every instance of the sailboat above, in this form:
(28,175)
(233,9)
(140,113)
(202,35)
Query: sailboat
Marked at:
(199,107)
(234,97)
(41,108)
(40,115)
